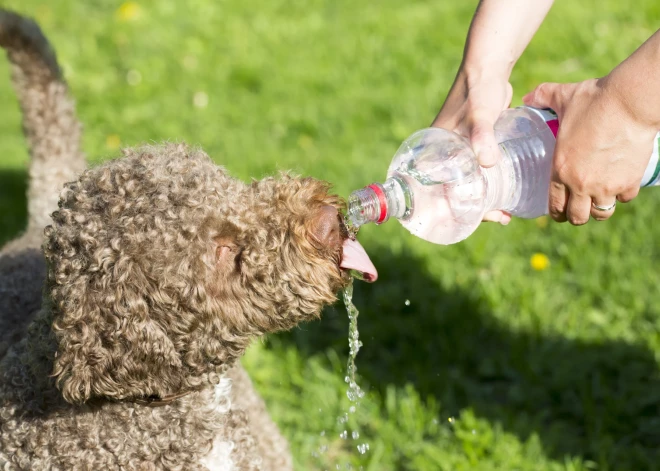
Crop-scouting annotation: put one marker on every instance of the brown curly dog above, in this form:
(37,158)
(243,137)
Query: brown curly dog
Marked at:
(159,271)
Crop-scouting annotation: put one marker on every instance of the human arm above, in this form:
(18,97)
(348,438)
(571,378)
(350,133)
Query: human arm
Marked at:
(607,128)
(499,33)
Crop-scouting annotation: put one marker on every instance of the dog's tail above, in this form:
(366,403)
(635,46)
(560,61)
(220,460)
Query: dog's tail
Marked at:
(51,127)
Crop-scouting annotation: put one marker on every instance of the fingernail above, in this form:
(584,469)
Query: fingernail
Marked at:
(488,159)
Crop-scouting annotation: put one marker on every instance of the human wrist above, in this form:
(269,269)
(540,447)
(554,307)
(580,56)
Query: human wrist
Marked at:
(635,83)
(477,70)
(628,102)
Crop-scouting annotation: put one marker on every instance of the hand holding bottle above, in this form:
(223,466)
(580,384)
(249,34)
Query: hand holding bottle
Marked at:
(607,131)
(499,32)
(470,110)
(438,191)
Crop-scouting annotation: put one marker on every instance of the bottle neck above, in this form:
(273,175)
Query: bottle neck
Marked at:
(379,202)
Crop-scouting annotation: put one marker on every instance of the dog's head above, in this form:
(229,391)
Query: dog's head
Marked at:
(162,268)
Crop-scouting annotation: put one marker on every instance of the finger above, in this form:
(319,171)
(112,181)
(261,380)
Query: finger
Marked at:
(509,95)
(628,195)
(450,114)
(557,200)
(497,216)
(543,96)
(482,138)
(578,209)
(602,208)
(441,122)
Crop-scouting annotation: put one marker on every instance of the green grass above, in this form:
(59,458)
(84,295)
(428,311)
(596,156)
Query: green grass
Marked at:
(491,365)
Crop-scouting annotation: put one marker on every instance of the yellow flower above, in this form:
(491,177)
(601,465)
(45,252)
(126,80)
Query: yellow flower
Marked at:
(112,142)
(128,11)
(539,261)
(305,142)
(542,222)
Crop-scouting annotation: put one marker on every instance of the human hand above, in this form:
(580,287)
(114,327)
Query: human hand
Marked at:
(601,153)
(471,109)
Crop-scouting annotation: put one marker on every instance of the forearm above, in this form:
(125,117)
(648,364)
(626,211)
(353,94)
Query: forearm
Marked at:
(500,32)
(636,82)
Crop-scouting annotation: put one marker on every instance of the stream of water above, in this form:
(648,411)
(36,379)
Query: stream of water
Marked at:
(354,392)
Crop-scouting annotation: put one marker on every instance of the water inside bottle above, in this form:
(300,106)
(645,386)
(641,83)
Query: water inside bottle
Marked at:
(443,213)
(445,182)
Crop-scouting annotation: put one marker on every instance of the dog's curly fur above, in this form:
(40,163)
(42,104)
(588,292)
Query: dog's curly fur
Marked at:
(161,269)
(139,293)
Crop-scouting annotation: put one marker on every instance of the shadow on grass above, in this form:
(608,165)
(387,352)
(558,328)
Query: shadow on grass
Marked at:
(600,401)
(13,205)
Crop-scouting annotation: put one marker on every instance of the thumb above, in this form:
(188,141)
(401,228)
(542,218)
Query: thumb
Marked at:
(509,95)
(543,96)
(482,138)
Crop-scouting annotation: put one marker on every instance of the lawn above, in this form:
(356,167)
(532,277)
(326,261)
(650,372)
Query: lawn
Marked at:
(472,358)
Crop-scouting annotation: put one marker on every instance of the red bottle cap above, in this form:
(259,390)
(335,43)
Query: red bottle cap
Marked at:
(382,200)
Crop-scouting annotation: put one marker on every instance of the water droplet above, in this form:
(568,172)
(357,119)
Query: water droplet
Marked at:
(363,448)
(352,409)
(450,420)
(407,303)
(343,435)
(355,435)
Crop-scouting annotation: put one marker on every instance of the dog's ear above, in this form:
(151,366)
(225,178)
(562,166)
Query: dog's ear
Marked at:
(114,342)
(227,253)
(325,226)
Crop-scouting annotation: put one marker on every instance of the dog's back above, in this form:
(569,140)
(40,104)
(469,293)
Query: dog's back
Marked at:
(53,138)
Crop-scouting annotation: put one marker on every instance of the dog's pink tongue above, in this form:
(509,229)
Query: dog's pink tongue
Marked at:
(356,258)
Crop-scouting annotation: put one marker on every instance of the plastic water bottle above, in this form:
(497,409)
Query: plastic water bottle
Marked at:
(437,190)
